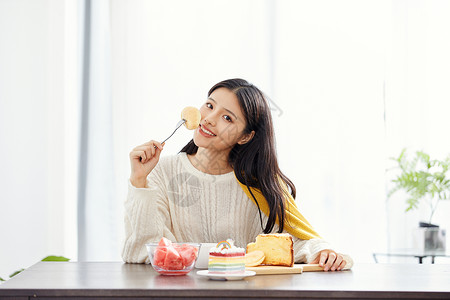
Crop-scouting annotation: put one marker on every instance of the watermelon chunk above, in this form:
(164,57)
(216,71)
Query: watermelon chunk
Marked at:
(164,242)
(160,256)
(173,260)
(188,254)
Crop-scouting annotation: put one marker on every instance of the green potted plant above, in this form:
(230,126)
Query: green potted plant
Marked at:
(426,181)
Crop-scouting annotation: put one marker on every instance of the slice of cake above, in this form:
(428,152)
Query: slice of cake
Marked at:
(225,258)
(277,247)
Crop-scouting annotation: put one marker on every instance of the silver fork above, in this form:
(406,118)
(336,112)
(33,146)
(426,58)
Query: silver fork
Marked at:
(181,122)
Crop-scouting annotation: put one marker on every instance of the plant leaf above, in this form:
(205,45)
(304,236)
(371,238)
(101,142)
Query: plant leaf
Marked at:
(15,273)
(413,203)
(55,258)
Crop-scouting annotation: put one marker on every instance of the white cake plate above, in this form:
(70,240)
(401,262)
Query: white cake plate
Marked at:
(226,276)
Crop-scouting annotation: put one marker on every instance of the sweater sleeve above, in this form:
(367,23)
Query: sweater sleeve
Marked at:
(306,251)
(147,219)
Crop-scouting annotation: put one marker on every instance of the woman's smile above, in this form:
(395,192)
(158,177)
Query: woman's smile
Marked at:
(203,130)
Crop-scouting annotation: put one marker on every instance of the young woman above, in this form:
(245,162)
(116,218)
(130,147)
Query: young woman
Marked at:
(225,183)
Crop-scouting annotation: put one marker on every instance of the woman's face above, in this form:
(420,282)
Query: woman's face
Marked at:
(222,123)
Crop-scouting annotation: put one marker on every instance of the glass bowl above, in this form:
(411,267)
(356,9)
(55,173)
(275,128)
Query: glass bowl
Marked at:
(173,259)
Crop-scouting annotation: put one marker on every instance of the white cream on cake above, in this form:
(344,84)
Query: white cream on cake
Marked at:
(227,251)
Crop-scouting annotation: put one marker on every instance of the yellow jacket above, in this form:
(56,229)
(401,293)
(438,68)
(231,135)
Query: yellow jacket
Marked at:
(295,223)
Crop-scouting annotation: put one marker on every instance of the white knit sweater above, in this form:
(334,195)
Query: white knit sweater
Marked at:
(184,204)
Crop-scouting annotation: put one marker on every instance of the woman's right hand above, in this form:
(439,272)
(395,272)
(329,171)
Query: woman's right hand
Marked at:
(143,159)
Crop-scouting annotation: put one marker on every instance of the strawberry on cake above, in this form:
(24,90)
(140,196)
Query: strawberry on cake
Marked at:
(226,258)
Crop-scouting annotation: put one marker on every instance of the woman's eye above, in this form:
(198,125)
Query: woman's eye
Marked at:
(227,118)
(209,105)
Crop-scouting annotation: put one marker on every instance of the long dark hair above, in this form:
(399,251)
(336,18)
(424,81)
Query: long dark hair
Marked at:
(255,162)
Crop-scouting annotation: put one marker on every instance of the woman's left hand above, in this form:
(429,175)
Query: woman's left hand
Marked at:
(330,260)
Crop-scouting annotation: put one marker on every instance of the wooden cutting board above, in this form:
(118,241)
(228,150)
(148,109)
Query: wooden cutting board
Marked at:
(296,269)
(315,267)
(311,267)
(262,270)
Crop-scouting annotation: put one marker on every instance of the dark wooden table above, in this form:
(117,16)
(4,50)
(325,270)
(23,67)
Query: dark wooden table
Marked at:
(104,280)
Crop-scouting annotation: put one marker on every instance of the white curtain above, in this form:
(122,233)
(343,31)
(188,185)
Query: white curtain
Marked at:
(98,239)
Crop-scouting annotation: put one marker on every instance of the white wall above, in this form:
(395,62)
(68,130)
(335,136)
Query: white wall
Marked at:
(329,82)
(334,69)
(323,66)
(417,98)
(32,161)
